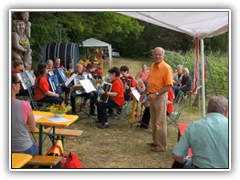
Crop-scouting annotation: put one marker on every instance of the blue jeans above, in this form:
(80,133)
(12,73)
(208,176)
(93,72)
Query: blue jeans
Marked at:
(33,150)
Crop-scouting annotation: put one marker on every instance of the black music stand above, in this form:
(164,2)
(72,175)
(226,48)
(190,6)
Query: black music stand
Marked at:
(87,88)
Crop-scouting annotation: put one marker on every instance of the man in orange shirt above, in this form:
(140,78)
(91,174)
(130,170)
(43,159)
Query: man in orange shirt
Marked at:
(159,82)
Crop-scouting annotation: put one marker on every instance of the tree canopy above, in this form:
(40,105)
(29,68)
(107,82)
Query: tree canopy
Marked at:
(132,37)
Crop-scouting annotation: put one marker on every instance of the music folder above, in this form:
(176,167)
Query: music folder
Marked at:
(70,79)
(26,79)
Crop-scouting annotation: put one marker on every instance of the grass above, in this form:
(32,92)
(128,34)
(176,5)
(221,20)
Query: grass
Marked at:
(121,146)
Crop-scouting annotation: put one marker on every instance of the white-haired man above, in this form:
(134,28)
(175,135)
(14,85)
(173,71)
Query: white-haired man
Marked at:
(207,138)
(159,82)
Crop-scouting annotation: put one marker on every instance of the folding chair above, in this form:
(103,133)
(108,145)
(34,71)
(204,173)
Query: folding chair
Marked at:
(41,106)
(179,105)
(121,112)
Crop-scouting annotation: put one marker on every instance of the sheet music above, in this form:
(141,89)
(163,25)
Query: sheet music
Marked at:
(136,94)
(70,79)
(56,119)
(87,85)
(37,117)
(22,81)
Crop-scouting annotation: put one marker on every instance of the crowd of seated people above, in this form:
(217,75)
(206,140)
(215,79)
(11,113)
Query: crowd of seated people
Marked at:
(122,82)
(186,82)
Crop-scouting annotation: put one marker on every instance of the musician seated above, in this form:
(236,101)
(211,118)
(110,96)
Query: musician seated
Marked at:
(116,97)
(92,95)
(50,65)
(96,72)
(58,63)
(128,81)
(18,68)
(65,89)
(42,92)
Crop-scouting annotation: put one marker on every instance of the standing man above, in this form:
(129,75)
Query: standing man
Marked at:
(159,82)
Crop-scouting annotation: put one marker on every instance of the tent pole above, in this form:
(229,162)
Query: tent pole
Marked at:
(203,82)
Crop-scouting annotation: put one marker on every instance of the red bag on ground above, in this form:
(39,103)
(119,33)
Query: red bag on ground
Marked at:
(70,161)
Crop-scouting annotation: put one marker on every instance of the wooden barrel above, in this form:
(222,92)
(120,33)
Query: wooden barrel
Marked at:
(67,52)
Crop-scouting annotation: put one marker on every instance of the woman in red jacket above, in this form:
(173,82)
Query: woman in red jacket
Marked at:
(116,97)
(42,91)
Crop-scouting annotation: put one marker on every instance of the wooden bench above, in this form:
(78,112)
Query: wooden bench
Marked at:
(41,160)
(62,133)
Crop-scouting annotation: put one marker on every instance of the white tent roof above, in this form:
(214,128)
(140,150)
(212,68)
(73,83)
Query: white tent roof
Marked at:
(199,24)
(97,43)
(94,43)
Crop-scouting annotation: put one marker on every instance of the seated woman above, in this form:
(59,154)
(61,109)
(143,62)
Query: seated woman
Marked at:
(116,97)
(42,92)
(23,122)
(186,82)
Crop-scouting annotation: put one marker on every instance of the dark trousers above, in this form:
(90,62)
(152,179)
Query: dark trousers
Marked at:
(101,110)
(67,91)
(145,118)
(52,99)
(92,96)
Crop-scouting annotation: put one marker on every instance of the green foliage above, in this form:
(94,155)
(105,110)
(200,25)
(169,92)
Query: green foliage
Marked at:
(218,64)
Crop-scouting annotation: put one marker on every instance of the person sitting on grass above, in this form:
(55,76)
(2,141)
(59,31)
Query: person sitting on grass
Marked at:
(207,138)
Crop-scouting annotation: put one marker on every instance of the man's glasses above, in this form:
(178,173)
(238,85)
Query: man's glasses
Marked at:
(18,82)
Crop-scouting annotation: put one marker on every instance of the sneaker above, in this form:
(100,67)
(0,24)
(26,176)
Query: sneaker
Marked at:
(104,126)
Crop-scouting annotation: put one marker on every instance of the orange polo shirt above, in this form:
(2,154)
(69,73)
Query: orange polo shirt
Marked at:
(160,76)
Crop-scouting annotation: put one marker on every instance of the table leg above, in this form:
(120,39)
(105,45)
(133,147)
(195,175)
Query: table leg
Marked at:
(40,139)
(53,139)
